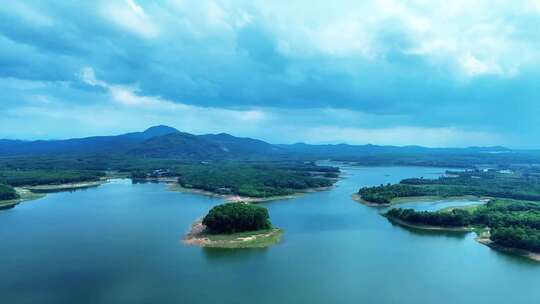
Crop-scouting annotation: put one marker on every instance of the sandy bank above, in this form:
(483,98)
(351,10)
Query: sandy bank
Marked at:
(428,199)
(247,199)
(197,236)
(64,187)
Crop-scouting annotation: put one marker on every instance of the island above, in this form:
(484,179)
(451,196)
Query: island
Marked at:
(246,182)
(234,225)
(509,221)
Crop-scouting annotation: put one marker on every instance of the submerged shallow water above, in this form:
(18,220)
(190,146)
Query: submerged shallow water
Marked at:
(121,243)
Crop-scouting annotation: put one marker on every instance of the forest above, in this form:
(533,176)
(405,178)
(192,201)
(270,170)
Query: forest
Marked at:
(519,185)
(514,224)
(236,217)
(34,177)
(248,178)
(252,180)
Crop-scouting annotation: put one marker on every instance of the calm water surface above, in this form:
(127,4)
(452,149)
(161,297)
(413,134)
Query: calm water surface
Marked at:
(120,243)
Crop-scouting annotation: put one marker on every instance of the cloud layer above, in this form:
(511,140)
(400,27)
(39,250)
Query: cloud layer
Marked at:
(386,72)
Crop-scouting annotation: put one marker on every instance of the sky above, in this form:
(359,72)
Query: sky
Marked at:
(432,73)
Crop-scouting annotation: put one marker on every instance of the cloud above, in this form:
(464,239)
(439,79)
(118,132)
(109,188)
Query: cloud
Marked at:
(129,15)
(129,96)
(367,65)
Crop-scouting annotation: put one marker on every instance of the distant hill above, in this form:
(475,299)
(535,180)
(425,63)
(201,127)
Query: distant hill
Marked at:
(167,142)
(345,150)
(241,145)
(179,145)
(155,142)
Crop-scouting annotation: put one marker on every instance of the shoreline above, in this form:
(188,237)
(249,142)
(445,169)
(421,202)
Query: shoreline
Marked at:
(197,236)
(420,199)
(245,199)
(65,187)
(30,193)
(25,195)
(482,237)
(513,251)
(428,227)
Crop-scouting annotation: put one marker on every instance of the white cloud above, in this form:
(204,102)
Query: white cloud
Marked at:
(468,38)
(130,16)
(88,76)
(129,97)
(475,67)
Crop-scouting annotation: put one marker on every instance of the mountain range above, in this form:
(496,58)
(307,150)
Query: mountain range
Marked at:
(167,142)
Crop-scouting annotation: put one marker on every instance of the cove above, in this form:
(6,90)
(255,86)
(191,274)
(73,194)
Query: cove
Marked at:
(121,243)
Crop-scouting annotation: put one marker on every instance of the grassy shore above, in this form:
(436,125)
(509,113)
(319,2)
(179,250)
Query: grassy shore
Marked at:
(410,199)
(251,239)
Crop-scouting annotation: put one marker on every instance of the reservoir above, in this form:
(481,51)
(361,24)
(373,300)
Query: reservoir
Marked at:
(121,243)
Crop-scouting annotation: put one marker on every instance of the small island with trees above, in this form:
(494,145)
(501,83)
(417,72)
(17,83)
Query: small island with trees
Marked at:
(234,225)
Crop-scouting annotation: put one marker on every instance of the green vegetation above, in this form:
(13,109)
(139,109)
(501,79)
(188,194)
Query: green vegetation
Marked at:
(517,237)
(253,180)
(452,218)
(514,224)
(246,178)
(22,196)
(519,185)
(513,217)
(384,194)
(17,178)
(7,193)
(236,217)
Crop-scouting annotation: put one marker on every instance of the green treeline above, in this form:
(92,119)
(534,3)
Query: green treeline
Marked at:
(454,218)
(384,194)
(236,217)
(248,180)
(7,193)
(513,223)
(517,237)
(515,185)
(46,177)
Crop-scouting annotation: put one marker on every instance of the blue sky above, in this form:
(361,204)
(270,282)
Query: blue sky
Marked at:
(433,73)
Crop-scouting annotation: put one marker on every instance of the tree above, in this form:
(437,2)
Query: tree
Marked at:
(237,217)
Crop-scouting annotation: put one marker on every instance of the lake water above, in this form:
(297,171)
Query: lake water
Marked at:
(121,243)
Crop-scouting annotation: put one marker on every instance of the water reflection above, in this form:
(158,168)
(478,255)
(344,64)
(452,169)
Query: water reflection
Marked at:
(219,255)
(430,233)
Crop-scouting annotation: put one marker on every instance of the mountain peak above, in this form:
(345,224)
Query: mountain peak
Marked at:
(160,130)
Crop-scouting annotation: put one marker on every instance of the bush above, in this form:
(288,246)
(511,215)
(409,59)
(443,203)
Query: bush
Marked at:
(7,193)
(237,217)
(517,237)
